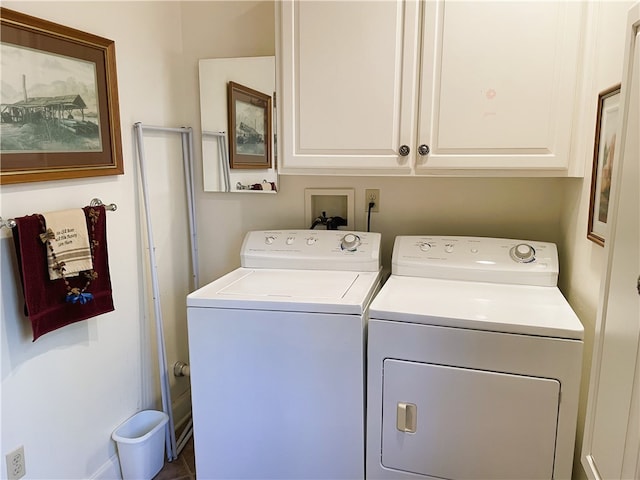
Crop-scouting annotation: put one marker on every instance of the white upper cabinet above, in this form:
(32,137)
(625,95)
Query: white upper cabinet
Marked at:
(368,87)
(348,97)
(498,85)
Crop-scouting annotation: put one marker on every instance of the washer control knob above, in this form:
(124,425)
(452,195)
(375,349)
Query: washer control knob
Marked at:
(350,242)
(424,246)
(290,240)
(448,248)
(311,240)
(269,240)
(523,253)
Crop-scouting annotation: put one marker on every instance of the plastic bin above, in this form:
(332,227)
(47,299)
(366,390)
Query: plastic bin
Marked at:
(140,443)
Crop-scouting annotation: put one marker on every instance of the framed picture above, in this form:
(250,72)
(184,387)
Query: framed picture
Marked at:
(249,114)
(59,112)
(603,156)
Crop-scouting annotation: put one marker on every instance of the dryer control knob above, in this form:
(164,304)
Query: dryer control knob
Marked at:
(269,240)
(523,253)
(424,246)
(350,242)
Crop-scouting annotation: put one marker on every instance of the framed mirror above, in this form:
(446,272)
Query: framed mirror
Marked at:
(237,110)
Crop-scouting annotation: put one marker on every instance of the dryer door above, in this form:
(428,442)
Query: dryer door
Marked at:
(461,423)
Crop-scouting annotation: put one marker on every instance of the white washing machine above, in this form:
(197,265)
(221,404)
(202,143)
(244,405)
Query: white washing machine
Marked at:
(474,361)
(278,357)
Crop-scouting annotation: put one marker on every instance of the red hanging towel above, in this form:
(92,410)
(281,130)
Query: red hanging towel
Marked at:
(45,299)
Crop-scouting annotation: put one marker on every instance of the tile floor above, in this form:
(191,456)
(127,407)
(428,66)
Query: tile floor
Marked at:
(183,468)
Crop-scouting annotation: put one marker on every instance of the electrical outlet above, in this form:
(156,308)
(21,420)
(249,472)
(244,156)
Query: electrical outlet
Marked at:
(372,195)
(15,464)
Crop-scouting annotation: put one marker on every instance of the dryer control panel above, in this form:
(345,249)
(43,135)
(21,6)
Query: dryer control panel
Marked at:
(312,250)
(481,259)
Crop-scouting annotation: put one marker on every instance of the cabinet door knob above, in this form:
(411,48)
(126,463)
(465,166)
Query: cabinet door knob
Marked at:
(424,150)
(404,150)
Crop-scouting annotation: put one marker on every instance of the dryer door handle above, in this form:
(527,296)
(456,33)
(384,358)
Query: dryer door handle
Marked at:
(407,415)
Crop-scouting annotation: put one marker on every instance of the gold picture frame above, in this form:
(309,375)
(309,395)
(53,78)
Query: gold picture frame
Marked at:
(249,113)
(57,125)
(607,120)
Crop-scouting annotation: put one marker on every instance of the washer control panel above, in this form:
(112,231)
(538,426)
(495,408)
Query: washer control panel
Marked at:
(483,259)
(312,250)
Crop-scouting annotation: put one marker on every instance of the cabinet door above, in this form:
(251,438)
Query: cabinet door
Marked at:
(450,422)
(348,85)
(498,86)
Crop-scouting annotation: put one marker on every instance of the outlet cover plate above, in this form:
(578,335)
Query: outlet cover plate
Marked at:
(369,195)
(16,464)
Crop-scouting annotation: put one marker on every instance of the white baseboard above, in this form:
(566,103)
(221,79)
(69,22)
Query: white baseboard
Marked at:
(109,471)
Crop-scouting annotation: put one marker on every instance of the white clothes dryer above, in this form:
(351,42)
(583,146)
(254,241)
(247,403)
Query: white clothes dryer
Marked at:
(474,361)
(277,355)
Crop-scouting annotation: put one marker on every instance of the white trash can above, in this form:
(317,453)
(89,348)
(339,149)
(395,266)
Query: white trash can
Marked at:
(141,445)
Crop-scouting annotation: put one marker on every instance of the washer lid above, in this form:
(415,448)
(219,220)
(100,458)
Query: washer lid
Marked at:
(321,291)
(523,309)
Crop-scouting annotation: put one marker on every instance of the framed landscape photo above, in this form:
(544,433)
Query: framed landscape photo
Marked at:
(249,114)
(59,110)
(603,156)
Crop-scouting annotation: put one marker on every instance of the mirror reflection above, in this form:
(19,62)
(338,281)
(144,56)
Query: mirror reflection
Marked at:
(237,111)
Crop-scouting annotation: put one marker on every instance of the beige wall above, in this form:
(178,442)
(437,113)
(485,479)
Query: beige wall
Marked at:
(554,210)
(521,208)
(72,388)
(63,395)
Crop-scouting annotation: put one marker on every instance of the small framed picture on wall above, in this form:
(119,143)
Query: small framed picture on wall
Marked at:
(249,114)
(603,155)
